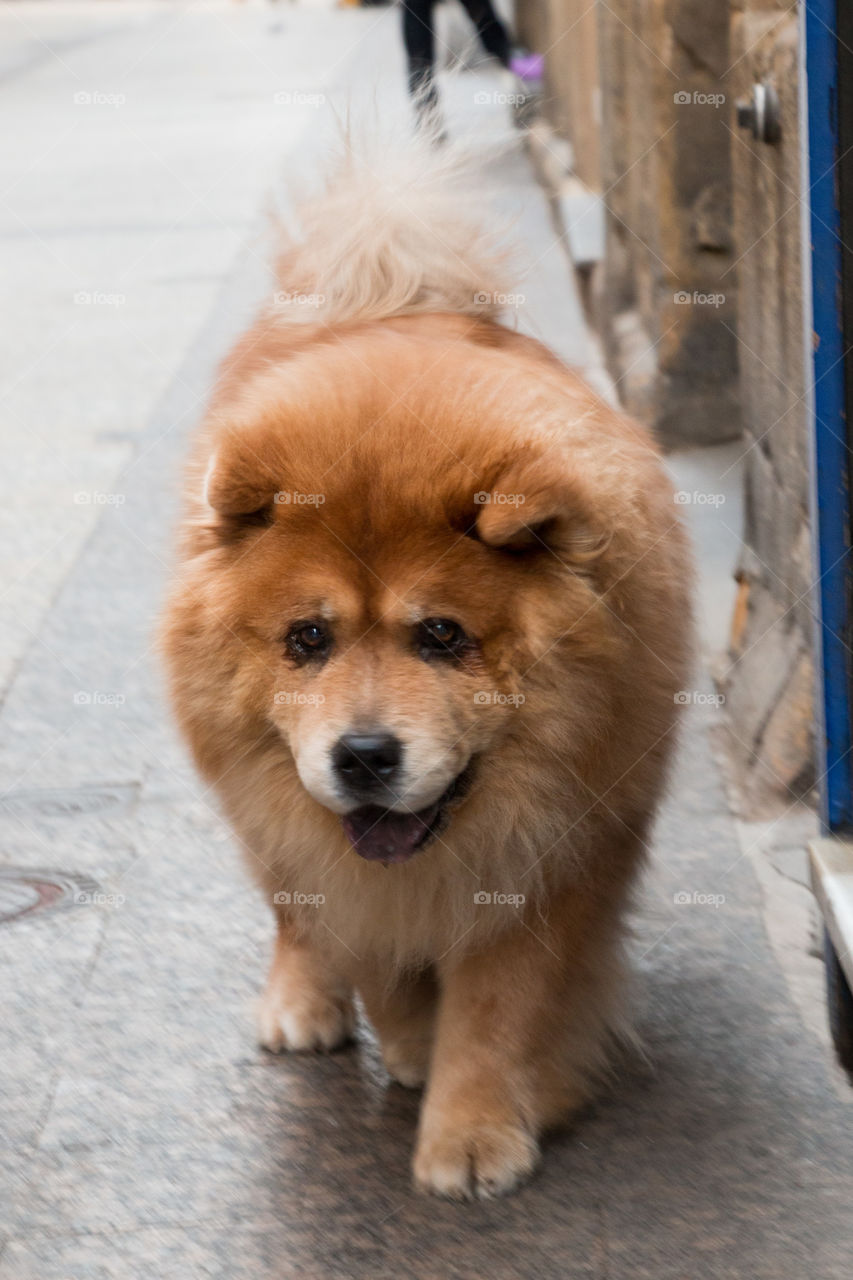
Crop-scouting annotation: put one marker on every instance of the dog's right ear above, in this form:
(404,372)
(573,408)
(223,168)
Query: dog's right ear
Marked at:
(238,481)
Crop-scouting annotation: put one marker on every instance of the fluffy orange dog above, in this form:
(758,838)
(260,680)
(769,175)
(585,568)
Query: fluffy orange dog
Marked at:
(424,640)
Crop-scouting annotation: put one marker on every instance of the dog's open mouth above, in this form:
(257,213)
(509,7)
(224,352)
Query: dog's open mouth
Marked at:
(384,835)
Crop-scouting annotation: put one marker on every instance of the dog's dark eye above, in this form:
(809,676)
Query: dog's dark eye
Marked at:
(441,636)
(309,640)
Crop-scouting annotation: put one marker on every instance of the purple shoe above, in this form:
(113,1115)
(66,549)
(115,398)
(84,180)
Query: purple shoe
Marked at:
(529,67)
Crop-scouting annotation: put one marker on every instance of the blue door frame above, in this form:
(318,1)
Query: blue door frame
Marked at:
(826,91)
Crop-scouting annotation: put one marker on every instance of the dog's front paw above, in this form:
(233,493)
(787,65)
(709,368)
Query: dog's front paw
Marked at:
(306,1020)
(477,1163)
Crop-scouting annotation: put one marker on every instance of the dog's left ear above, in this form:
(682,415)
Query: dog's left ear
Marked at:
(538,504)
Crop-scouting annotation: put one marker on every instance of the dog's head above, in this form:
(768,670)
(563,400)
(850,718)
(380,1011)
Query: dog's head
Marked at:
(398,539)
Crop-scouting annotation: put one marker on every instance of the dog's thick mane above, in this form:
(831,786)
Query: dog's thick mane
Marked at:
(393,233)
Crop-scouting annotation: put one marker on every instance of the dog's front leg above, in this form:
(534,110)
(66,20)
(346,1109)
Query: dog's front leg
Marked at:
(402,1011)
(307,1004)
(500,1071)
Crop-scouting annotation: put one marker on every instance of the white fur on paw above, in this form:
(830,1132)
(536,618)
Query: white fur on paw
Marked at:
(304,1024)
(483,1162)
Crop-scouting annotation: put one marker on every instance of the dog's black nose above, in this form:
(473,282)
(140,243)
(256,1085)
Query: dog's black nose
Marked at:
(365,760)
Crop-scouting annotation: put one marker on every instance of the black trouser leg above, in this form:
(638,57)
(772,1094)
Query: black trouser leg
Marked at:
(419,40)
(490,29)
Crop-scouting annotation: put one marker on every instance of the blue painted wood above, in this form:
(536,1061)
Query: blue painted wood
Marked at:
(830,450)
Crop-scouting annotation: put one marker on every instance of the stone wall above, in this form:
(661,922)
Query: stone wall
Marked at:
(699,301)
(769,685)
(668,294)
(638,86)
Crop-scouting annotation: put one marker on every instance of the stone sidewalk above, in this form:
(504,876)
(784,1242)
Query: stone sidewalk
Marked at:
(145,1135)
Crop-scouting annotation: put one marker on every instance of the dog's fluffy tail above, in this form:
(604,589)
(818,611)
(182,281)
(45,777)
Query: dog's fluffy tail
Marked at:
(395,232)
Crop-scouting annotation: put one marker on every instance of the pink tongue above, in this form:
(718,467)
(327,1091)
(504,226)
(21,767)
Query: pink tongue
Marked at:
(381,835)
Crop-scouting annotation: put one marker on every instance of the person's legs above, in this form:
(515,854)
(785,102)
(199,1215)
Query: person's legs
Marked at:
(491,31)
(419,40)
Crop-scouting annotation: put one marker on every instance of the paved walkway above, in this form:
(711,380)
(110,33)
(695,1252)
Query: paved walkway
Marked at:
(144,1135)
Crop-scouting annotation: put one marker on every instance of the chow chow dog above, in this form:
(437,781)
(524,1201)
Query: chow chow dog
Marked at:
(424,639)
